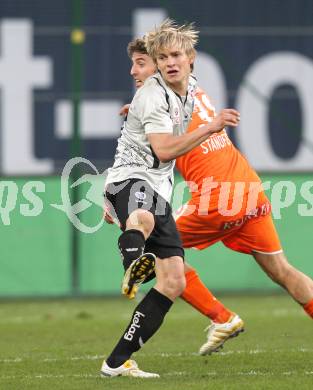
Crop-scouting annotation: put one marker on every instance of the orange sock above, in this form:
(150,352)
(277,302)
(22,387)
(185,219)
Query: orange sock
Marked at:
(308,307)
(198,296)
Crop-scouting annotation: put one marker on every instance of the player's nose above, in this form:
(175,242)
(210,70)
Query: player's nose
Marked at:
(133,70)
(170,61)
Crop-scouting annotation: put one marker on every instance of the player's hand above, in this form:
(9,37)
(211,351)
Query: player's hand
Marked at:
(227,117)
(108,219)
(106,215)
(124,110)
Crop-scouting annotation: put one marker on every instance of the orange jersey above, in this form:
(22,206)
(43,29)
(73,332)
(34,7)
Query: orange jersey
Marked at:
(216,157)
(214,214)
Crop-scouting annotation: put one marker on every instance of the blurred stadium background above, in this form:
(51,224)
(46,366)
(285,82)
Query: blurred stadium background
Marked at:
(64,74)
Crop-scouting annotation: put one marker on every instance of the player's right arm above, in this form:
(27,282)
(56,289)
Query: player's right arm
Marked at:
(167,146)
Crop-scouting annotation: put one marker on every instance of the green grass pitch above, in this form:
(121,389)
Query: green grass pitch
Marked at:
(60,344)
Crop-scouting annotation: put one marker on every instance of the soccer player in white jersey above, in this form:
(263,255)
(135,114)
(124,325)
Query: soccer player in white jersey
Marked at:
(139,185)
(225,323)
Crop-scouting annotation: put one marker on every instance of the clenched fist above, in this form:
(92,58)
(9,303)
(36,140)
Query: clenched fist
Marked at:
(227,117)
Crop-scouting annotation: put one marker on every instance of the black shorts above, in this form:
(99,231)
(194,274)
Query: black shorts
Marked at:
(124,197)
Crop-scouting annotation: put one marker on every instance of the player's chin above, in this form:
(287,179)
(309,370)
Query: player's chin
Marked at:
(173,77)
(139,84)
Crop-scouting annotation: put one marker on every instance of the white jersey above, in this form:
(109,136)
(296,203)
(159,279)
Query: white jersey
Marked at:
(155,108)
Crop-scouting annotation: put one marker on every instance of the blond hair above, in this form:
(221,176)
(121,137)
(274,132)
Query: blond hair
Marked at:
(168,35)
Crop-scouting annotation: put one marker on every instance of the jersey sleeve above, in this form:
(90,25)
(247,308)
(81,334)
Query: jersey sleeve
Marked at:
(153,110)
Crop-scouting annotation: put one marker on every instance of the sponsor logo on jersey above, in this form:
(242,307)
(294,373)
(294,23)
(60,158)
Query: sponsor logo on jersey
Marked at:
(176,116)
(260,211)
(141,196)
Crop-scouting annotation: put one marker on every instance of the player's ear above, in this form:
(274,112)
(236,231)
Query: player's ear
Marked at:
(192,58)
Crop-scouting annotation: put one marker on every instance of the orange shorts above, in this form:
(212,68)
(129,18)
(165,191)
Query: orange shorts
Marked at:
(244,232)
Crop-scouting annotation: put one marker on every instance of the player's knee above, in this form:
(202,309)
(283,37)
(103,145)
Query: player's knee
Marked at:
(286,273)
(142,218)
(179,285)
(175,285)
(171,277)
(281,273)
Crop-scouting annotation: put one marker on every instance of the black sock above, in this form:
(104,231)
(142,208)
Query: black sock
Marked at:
(146,320)
(131,244)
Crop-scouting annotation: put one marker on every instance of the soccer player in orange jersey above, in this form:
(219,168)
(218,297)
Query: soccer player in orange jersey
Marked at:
(220,177)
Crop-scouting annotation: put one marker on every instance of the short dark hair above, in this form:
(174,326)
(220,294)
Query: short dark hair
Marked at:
(136,46)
